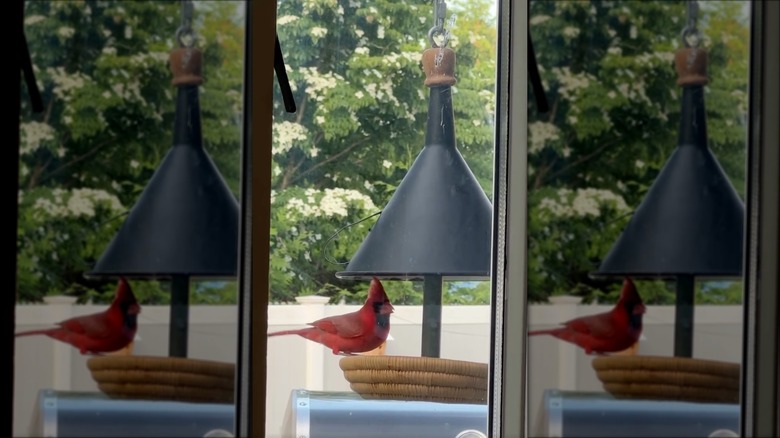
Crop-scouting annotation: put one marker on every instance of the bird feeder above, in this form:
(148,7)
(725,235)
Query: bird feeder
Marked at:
(691,221)
(185,223)
(437,225)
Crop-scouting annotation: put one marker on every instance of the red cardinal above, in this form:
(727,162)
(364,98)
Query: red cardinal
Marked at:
(355,332)
(606,332)
(103,332)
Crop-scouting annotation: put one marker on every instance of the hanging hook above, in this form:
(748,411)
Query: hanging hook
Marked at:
(184,34)
(439,14)
(691,37)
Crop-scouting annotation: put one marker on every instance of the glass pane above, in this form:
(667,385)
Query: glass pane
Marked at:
(636,188)
(369,136)
(128,203)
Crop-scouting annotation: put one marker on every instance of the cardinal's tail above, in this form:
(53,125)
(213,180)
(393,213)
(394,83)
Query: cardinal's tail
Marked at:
(544,332)
(35,332)
(300,332)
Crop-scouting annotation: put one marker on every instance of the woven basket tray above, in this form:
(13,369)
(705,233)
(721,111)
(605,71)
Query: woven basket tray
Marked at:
(416,378)
(669,378)
(163,378)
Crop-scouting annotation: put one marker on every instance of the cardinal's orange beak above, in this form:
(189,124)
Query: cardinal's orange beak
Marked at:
(387,308)
(639,309)
(134,309)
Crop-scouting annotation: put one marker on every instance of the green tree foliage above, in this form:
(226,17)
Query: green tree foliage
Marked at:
(355,70)
(362,109)
(615,108)
(102,67)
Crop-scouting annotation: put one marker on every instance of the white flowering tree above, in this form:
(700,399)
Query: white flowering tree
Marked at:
(102,67)
(355,69)
(614,119)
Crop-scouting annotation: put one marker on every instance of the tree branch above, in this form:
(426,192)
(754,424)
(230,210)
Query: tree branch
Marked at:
(36,173)
(47,114)
(553,111)
(585,158)
(340,154)
(79,158)
(301,109)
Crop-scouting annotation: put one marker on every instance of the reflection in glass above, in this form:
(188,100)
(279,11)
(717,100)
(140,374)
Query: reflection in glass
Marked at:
(369,137)
(608,195)
(97,171)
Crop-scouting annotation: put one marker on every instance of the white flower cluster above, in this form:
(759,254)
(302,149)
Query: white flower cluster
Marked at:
(318,32)
(489,97)
(654,58)
(571,31)
(76,202)
(540,134)
(382,92)
(66,32)
(582,202)
(65,83)
(149,58)
(329,202)
(32,135)
(394,59)
(32,19)
(635,90)
(539,19)
(741,96)
(318,83)
(310,6)
(286,19)
(571,83)
(129,90)
(64,6)
(286,134)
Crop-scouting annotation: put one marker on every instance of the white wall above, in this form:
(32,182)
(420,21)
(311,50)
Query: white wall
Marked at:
(296,363)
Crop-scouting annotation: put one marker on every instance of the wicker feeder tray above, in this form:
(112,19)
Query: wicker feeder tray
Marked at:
(416,378)
(669,378)
(163,378)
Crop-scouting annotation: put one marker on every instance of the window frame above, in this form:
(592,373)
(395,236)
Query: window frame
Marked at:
(760,403)
(507,412)
(760,395)
(10,198)
(254,234)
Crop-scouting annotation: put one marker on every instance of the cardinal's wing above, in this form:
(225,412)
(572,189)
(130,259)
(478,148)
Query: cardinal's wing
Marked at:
(94,326)
(349,325)
(602,325)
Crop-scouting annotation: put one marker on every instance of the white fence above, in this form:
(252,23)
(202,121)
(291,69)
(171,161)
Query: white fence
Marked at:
(296,363)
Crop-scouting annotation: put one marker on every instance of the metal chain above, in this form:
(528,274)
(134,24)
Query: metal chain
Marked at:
(185,35)
(439,15)
(691,37)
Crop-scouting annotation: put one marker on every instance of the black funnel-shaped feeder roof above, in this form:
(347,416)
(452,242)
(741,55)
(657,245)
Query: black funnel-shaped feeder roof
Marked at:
(439,220)
(186,219)
(691,220)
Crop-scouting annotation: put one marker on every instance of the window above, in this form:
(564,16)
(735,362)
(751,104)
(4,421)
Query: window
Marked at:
(563,187)
(376,131)
(131,170)
(591,411)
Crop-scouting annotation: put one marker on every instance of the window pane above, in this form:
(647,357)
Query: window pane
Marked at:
(126,174)
(637,172)
(369,136)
